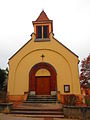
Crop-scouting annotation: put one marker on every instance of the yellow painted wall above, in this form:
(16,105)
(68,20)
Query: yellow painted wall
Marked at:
(65,63)
(42,72)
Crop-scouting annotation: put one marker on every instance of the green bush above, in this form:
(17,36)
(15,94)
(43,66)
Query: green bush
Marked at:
(87,100)
(70,100)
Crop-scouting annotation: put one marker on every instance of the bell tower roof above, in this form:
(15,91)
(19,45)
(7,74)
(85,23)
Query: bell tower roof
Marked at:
(42,17)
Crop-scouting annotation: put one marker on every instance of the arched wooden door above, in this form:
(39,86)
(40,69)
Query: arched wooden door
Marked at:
(42,84)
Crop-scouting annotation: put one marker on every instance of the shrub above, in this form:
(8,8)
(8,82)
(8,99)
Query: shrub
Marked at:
(70,100)
(87,100)
(3,97)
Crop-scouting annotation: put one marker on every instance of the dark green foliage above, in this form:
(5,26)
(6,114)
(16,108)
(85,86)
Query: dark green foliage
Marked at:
(87,100)
(3,77)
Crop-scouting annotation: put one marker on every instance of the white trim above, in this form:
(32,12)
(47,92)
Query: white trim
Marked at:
(32,92)
(53,92)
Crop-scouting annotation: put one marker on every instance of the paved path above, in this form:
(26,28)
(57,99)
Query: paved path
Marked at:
(15,117)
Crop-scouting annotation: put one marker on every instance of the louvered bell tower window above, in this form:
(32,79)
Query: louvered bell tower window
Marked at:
(45,32)
(39,30)
(42,32)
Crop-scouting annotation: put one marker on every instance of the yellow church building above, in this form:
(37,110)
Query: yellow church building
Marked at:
(43,66)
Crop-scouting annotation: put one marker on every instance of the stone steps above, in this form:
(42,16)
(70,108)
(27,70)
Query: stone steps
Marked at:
(34,96)
(39,106)
(39,112)
(40,116)
(28,109)
(41,99)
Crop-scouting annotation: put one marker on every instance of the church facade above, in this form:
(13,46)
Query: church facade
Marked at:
(43,66)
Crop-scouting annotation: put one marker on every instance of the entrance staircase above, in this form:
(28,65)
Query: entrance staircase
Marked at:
(40,106)
(41,99)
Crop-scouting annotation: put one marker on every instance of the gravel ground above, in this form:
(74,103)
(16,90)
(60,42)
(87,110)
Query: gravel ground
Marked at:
(16,117)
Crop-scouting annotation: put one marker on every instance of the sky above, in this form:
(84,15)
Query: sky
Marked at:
(71,24)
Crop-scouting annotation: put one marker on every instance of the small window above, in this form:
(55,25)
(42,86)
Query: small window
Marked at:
(39,32)
(42,32)
(45,31)
(66,88)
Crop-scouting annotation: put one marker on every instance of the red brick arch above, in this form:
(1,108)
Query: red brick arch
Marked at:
(38,66)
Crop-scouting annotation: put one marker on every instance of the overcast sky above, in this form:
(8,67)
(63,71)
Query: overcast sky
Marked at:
(71,24)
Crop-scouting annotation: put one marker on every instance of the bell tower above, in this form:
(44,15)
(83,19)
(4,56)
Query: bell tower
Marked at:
(42,26)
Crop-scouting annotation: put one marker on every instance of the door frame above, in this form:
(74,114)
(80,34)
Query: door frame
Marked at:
(35,68)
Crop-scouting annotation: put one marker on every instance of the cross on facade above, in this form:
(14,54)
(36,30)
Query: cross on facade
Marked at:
(42,56)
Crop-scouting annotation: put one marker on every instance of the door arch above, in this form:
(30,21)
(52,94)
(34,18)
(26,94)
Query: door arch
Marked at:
(33,71)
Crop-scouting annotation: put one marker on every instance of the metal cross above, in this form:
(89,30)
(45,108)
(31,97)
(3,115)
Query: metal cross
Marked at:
(42,56)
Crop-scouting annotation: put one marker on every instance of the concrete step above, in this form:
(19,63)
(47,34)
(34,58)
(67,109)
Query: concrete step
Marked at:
(28,109)
(38,98)
(40,116)
(40,106)
(46,100)
(37,112)
(55,113)
(40,101)
(41,96)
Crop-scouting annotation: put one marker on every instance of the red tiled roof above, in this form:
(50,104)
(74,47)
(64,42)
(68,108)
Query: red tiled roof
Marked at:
(42,17)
